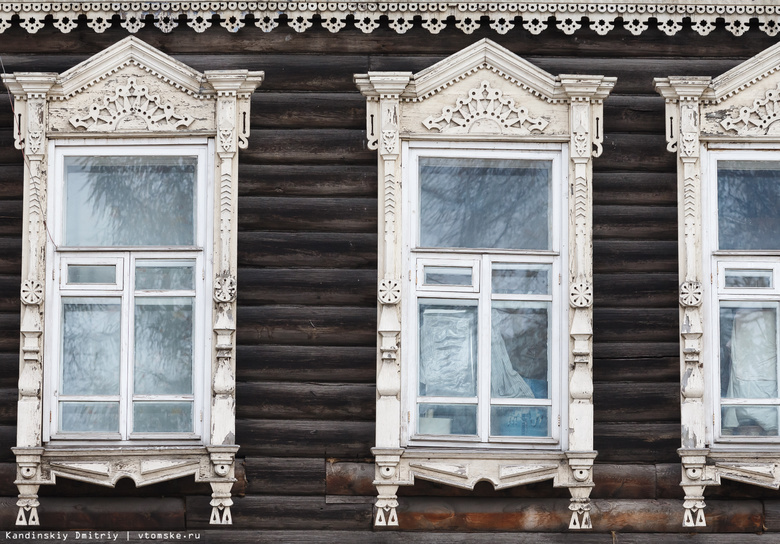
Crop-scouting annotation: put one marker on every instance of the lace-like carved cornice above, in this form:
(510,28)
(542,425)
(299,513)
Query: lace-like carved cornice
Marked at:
(600,16)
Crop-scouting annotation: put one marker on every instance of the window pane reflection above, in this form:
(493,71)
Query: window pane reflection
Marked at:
(130,201)
(444,419)
(162,417)
(748,201)
(519,421)
(448,348)
(485,203)
(82,417)
(520,359)
(749,420)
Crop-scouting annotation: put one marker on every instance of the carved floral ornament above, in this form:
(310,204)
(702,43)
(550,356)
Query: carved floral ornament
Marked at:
(598,15)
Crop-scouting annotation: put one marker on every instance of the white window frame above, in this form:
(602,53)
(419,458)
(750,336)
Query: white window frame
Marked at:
(59,256)
(481,261)
(715,262)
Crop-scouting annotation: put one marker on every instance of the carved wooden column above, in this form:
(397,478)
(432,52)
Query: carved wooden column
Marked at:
(232,127)
(382,125)
(30,118)
(585,118)
(682,134)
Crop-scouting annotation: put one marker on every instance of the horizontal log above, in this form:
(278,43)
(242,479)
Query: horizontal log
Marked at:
(284,512)
(9,293)
(298,249)
(306,363)
(12,180)
(620,154)
(9,332)
(668,477)
(8,400)
(294,438)
(630,188)
(635,290)
(635,222)
(9,370)
(308,110)
(306,325)
(628,324)
(10,255)
(285,476)
(665,515)
(617,401)
(10,217)
(330,180)
(8,154)
(311,401)
(321,146)
(103,514)
(634,256)
(634,113)
(306,286)
(308,214)
(634,350)
(612,482)
(637,442)
(639,370)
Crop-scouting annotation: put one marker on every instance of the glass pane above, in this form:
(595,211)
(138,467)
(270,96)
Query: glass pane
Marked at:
(521,279)
(130,201)
(519,421)
(163,346)
(748,278)
(162,417)
(447,275)
(447,419)
(485,203)
(748,200)
(91,346)
(448,348)
(93,417)
(520,351)
(159,277)
(94,273)
(748,350)
(749,420)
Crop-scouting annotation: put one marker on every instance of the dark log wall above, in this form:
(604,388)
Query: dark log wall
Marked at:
(307,269)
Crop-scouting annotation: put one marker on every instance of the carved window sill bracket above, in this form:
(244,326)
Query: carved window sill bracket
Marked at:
(124,93)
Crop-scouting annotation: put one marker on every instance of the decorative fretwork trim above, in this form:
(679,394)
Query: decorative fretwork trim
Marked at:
(600,16)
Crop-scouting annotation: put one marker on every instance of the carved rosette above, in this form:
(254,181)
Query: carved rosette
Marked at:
(581,294)
(225,289)
(389,291)
(32,292)
(691,293)
(485,109)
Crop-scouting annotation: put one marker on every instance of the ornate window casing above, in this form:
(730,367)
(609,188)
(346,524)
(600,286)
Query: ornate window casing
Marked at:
(129,115)
(525,132)
(725,134)
(600,16)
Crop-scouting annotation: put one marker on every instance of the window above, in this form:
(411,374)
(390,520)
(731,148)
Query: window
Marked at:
(724,132)
(487,291)
(129,272)
(484,365)
(129,256)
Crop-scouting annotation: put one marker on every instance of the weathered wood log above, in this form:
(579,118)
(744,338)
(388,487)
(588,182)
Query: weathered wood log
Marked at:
(616,402)
(635,290)
(321,146)
(638,371)
(632,114)
(626,324)
(284,250)
(637,442)
(634,350)
(635,223)
(630,188)
(310,401)
(284,512)
(285,476)
(8,398)
(303,325)
(12,180)
(318,180)
(103,514)
(9,331)
(356,364)
(306,214)
(304,286)
(634,256)
(620,154)
(293,438)
(308,110)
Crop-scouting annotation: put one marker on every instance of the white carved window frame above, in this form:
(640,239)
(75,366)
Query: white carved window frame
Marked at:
(130,94)
(414,259)
(707,118)
(480,97)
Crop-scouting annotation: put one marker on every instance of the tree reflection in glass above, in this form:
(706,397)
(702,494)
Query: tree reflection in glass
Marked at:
(130,201)
(485,203)
(748,204)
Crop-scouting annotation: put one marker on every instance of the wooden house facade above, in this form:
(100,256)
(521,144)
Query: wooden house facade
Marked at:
(300,112)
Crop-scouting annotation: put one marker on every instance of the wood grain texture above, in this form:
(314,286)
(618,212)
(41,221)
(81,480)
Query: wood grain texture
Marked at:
(274,362)
(312,401)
